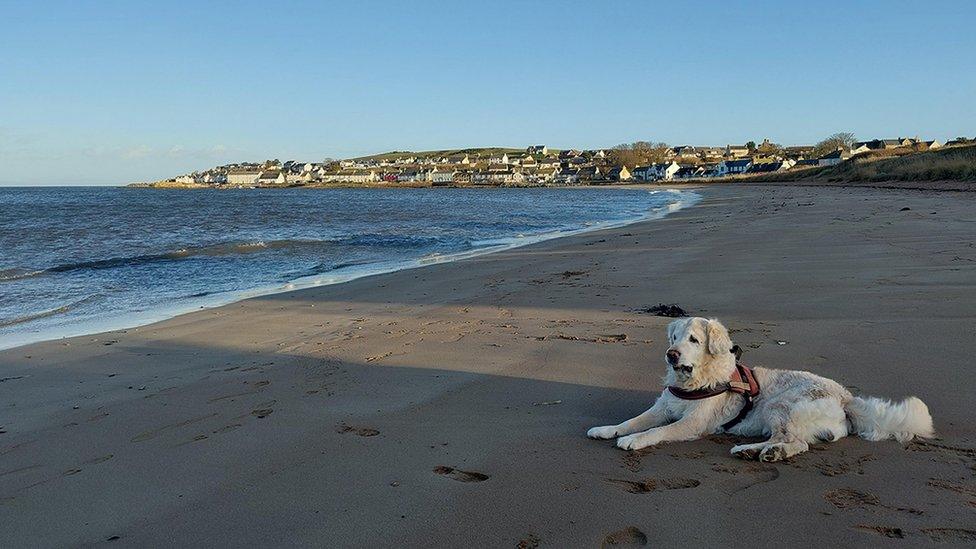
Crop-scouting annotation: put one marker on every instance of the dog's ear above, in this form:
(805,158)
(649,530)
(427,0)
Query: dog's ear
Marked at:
(672,328)
(737,351)
(718,338)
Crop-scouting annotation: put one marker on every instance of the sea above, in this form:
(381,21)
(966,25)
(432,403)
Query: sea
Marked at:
(80,260)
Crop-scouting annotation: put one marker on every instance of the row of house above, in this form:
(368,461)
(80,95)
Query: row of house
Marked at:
(791,157)
(438,175)
(538,165)
(671,170)
(899,143)
(535,154)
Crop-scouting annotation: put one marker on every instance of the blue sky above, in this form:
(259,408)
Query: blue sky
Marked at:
(114,92)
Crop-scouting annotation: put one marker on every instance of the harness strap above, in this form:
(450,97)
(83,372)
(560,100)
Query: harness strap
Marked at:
(743,382)
(746,408)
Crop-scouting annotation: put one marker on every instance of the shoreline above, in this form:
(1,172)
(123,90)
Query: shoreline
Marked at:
(137,319)
(444,405)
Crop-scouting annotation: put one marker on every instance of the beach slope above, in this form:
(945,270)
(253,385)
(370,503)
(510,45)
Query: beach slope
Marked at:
(447,406)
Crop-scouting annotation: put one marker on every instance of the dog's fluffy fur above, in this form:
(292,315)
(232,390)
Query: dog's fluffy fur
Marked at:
(793,409)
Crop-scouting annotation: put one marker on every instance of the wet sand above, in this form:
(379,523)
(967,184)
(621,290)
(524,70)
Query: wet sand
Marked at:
(446,406)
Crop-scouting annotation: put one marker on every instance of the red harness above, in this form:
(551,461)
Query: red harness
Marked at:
(743,382)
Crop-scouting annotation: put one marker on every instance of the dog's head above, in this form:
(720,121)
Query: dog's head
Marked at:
(699,353)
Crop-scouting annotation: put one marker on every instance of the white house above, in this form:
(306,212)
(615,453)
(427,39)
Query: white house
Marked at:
(497,177)
(539,176)
(569,176)
(711,152)
(665,170)
(733,167)
(443,176)
(353,175)
(736,151)
(537,149)
(414,175)
(272,177)
(212,178)
(516,159)
(243,177)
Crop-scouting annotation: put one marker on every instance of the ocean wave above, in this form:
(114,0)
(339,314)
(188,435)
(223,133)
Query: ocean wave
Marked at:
(322,268)
(17,274)
(44,314)
(229,249)
(212,250)
(390,240)
(488,242)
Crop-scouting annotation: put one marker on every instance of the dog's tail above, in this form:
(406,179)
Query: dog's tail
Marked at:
(875,418)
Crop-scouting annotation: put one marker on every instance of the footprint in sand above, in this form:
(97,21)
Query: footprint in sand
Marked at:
(832,466)
(359,431)
(961,489)
(848,498)
(628,537)
(262,413)
(955,451)
(101,459)
(753,474)
(146,435)
(459,475)
(950,534)
(651,484)
(884,531)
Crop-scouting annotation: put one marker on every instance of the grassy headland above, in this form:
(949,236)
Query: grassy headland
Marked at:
(946,164)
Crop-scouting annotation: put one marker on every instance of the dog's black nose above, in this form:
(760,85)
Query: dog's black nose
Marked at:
(673,356)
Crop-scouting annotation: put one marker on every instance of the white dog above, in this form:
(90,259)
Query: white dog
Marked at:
(708,393)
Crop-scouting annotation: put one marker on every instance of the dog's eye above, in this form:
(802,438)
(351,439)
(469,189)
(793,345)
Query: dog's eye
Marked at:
(693,339)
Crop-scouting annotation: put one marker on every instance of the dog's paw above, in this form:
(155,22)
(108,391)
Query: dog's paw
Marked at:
(605,432)
(772,453)
(630,442)
(745,452)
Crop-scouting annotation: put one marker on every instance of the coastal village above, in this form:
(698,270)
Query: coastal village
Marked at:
(538,165)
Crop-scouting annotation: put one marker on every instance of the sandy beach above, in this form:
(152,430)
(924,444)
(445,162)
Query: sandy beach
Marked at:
(447,406)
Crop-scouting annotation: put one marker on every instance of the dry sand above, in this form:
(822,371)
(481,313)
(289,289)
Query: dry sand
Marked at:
(447,406)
